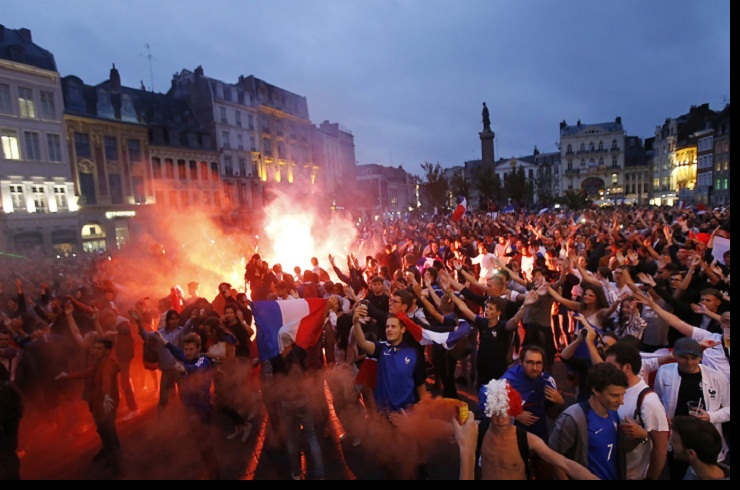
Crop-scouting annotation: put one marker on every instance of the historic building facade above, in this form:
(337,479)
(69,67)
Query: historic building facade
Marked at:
(109,152)
(385,191)
(38,207)
(720,194)
(592,159)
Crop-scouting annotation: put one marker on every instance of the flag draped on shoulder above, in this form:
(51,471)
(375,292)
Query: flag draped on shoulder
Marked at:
(301,319)
(462,206)
(424,336)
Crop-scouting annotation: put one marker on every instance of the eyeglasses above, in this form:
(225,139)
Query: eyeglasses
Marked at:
(394,300)
(534,363)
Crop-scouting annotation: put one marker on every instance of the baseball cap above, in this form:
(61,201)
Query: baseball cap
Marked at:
(687,347)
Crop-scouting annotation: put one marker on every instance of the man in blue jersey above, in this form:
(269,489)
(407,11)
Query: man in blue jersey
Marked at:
(538,389)
(197,372)
(401,375)
(401,366)
(588,432)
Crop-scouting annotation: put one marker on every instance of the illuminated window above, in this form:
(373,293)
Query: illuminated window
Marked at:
(25,100)
(11,150)
(39,198)
(60,196)
(16,195)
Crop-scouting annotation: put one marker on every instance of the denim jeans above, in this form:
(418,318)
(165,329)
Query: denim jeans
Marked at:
(298,414)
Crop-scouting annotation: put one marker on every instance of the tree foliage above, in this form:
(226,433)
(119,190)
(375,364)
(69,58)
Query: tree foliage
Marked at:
(574,200)
(488,184)
(515,186)
(459,185)
(434,185)
(543,184)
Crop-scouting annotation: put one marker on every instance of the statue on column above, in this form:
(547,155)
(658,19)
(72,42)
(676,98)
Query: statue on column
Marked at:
(486,118)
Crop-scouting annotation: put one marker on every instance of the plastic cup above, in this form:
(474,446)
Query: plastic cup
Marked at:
(693,407)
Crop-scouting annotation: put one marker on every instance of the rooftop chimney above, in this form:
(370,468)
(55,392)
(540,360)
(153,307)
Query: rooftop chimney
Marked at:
(25,34)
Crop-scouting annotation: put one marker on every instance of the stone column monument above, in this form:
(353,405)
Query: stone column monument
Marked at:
(486,138)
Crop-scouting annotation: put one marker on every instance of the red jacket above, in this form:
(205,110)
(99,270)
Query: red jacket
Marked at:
(103,378)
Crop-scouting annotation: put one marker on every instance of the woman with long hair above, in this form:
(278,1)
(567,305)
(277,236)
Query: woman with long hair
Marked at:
(593,305)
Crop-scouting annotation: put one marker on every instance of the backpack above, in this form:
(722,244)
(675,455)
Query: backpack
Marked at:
(637,417)
(522,443)
(151,354)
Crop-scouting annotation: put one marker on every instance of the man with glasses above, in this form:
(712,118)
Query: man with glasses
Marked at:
(540,395)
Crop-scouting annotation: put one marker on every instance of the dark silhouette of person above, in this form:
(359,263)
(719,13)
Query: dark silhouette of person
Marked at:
(486,118)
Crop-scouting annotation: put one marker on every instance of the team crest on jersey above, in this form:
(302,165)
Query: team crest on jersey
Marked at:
(407,360)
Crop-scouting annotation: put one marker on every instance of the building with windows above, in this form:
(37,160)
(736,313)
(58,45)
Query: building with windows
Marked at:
(385,192)
(108,147)
(592,159)
(704,140)
(38,206)
(637,179)
(675,156)
(184,163)
(720,187)
(231,118)
(334,148)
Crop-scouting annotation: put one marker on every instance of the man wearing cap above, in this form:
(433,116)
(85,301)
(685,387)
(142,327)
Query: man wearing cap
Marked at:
(688,380)
(716,355)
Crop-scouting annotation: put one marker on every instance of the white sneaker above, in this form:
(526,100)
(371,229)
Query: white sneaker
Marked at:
(131,415)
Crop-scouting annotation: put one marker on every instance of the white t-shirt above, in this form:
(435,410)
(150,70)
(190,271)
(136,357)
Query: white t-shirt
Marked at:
(714,357)
(487,265)
(527,264)
(654,418)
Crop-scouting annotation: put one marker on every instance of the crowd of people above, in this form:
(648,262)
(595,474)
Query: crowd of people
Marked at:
(634,301)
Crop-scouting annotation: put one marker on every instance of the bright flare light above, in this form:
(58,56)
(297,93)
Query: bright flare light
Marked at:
(292,242)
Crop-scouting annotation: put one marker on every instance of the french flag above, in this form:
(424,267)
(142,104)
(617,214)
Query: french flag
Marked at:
(462,206)
(301,319)
(425,336)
